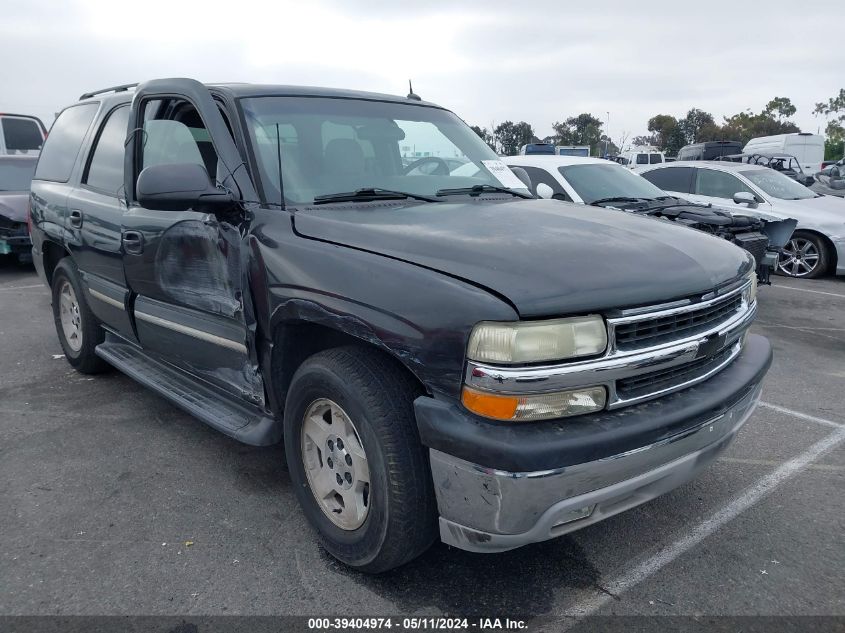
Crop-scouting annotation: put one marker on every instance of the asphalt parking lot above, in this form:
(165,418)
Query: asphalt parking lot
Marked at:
(115,502)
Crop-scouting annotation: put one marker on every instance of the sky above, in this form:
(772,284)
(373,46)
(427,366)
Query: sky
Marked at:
(539,61)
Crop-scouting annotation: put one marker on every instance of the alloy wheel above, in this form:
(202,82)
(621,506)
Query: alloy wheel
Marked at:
(335,464)
(70,316)
(799,257)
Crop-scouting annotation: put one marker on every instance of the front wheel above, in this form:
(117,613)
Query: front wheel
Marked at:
(806,256)
(358,468)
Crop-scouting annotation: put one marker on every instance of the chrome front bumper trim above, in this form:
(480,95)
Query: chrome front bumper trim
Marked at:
(615,365)
(489,510)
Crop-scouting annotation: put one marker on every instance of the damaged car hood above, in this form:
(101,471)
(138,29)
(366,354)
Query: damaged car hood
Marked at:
(13,205)
(545,257)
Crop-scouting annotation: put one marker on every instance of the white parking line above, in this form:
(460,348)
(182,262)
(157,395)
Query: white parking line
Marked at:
(745,500)
(818,292)
(803,416)
(23,287)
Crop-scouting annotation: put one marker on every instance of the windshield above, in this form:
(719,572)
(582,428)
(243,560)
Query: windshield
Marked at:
(777,185)
(16,175)
(597,182)
(329,146)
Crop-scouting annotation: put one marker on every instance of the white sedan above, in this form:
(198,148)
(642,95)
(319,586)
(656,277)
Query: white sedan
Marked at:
(818,244)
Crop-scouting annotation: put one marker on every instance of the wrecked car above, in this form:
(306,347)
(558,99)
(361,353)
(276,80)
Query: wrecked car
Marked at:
(15,176)
(443,356)
(602,184)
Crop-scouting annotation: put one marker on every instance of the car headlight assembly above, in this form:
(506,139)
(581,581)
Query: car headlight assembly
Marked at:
(750,293)
(537,342)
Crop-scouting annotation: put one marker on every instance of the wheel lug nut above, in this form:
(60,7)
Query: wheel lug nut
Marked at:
(340,444)
(348,459)
(348,476)
(330,462)
(339,478)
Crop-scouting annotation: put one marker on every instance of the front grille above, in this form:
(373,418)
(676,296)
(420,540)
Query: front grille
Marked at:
(754,243)
(656,381)
(666,329)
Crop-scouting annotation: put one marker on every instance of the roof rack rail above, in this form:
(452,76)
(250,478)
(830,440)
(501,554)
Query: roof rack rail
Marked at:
(121,88)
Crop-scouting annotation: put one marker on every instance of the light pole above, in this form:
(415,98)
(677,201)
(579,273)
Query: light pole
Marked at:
(607,135)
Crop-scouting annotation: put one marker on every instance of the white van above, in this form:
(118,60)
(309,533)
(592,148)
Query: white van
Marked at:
(639,157)
(807,148)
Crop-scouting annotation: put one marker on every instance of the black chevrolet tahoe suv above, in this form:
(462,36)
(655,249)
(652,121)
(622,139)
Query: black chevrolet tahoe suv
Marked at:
(442,354)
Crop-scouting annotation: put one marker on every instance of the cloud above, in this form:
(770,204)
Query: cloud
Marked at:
(489,61)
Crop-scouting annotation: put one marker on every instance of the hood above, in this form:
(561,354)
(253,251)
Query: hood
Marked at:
(13,206)
(822,211)
(546,257)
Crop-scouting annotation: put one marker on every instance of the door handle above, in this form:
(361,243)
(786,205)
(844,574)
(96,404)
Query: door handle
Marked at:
(133,242)
(76,218)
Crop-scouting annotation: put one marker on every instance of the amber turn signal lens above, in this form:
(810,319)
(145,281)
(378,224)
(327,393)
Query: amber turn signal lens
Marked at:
(489,405)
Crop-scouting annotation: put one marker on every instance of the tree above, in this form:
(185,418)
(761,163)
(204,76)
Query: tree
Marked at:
(643,141)
(511,136)
(694,122)
(744,126)
(834,146)
(584,129)
(484,135)
(781,107)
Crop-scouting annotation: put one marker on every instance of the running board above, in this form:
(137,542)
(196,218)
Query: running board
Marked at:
(240,420)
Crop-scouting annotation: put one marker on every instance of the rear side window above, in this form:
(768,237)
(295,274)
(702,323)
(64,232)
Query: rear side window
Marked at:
(677,179)
(61,148)
(654,159)
(105,171)
(642,159)
(21,134)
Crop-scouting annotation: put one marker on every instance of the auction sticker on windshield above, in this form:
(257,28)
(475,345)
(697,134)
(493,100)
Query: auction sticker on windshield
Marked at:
(503,174)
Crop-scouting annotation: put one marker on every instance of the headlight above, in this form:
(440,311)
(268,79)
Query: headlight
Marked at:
(535,342)
(540,406)
(750,293)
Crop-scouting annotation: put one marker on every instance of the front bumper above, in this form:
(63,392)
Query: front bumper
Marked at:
(635,455)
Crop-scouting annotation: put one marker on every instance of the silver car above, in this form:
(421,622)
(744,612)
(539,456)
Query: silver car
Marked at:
(818,244)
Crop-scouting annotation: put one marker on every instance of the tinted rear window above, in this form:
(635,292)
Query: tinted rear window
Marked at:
(21,134)
(642,159)
(62,145)
(654,159)
(15,175)
(676,179)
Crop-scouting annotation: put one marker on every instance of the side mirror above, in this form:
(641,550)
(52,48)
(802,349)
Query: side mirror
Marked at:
(743,197)
(520,173)
(180,187)
(545,191)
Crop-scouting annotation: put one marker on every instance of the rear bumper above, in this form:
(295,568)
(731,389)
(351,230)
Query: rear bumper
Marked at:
(485,508)
(15,244)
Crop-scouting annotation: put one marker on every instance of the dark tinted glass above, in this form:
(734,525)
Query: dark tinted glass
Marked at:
(106,168)
(642,159)
(718,184)
(22,134)
(62,145)
(655,159)
(676,179)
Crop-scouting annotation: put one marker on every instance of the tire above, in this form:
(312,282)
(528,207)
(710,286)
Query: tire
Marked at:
(805,256)
(69,297)
(376,395)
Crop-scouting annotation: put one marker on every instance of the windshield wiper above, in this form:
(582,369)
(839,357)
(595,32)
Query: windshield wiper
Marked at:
(368,194)
(618,199)
(476,190)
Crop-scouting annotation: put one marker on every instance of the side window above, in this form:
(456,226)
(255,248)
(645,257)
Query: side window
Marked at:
(678,179)
(22,134)
(176,134)
(538,176)
(642,159)
(105,167)
(655,159)
(58,156)
(718,184)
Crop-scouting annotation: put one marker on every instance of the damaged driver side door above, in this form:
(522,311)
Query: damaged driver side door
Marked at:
(185,268)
